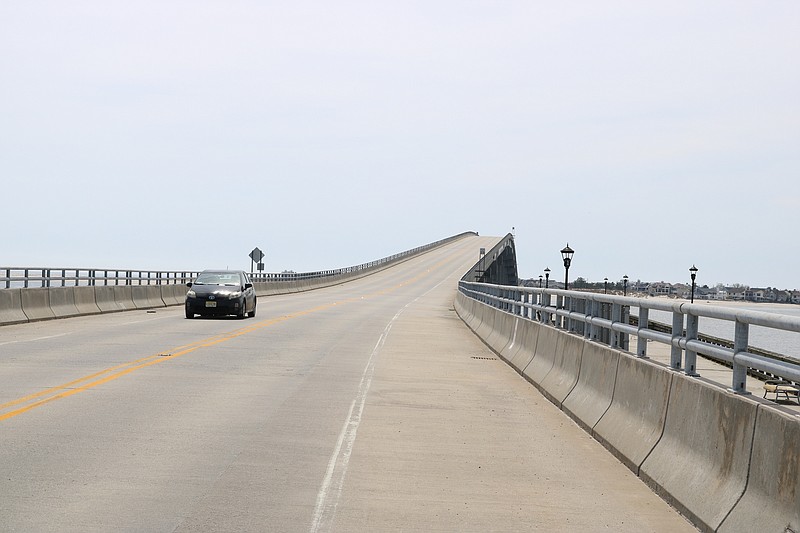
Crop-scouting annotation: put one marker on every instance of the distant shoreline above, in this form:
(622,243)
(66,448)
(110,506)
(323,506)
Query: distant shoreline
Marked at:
(732,303)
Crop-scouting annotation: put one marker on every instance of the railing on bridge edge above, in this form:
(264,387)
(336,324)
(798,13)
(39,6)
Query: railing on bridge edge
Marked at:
(27,277)
(604,318)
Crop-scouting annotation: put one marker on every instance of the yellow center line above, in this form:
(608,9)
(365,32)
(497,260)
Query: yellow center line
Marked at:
(38,399)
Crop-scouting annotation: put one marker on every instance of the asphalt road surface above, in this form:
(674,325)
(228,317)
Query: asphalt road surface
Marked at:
(363,407)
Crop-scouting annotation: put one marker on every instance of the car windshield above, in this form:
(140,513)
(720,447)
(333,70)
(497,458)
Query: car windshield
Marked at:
(218,278)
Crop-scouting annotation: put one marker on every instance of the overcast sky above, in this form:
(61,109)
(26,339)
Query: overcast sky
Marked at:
(180,135)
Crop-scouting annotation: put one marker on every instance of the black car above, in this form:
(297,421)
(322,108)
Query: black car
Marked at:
(220,293)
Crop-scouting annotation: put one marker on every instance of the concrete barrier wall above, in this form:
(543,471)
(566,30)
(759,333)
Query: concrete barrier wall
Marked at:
(634,423)
(700,465)
(147,296)
(561,379)
(173,294)
(123,296)
(592,395)
(105,299)
(62,302)
(503,332)
(36,304)
(771,501)
(543,358)
(509,351)
(11,307)
(527,337)
(727,462)
(86,300)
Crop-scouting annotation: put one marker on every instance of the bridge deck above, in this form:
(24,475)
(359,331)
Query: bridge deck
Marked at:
(364,407)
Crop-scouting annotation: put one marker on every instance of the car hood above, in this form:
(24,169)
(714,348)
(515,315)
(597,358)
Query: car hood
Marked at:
(202,290)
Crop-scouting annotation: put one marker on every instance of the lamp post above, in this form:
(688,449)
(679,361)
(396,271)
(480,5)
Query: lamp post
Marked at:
(693,272)
(546,278)
(605,285)
(566,254)
(540,281)
(625,285)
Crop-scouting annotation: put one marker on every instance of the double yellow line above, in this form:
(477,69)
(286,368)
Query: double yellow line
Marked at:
(38,399)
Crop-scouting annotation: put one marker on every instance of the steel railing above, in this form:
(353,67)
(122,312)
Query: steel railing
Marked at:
(605,318)
(29,277)
(299,276)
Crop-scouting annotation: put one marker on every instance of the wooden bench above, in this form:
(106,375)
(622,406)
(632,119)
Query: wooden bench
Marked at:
(781,388)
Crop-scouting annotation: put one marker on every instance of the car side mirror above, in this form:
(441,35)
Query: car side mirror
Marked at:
(189,284)
(248,285)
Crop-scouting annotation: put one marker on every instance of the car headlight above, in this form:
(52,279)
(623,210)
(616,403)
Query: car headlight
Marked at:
(191,294)
(235,295)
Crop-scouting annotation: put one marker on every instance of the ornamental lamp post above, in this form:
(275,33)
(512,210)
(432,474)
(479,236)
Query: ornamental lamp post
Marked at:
(625,285)
(566,254)
(540,281)
(693,272)
(546,278)
(605,285)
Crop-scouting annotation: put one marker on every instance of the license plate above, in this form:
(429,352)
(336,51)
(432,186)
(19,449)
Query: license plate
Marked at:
(211,304)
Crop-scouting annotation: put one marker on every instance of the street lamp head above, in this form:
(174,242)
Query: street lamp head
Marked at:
(566,254)
(693,271)
(547,272)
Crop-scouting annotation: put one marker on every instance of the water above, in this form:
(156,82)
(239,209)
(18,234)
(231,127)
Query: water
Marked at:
(775,340)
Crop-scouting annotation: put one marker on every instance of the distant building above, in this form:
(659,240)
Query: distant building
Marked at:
(735,293)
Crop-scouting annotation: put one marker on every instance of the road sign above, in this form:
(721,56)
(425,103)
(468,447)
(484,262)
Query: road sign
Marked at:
(256,255)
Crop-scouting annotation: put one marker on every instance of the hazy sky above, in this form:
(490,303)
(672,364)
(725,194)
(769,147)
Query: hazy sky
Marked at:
(180,135)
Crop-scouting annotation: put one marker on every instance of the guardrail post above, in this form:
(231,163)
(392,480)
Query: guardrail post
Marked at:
(546,303)
(625,318)
(641,342)
(616,316)
(741,338)
(692,325)
(677,333)
(588,309)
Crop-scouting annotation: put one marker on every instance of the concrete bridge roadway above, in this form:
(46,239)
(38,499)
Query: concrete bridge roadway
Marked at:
(367,406)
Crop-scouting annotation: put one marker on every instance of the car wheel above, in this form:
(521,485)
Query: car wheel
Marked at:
(242,308)
(189,314)
(252,313)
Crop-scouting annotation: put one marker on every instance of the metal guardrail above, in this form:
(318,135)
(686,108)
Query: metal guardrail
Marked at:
(299,276)
(28,277)
(604,318)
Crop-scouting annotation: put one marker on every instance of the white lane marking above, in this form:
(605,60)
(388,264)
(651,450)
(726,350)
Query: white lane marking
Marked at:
(331,490)
(71,332)
(325,510)
(36,339)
